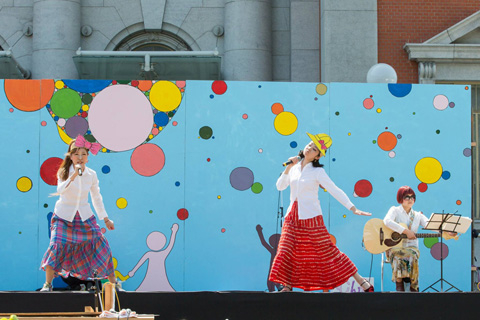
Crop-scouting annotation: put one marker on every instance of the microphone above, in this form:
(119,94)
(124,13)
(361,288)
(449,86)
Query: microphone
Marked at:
(290,161)
(79,169)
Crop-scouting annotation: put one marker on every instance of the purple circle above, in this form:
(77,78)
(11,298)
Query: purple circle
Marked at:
(437,253)
(241,178)
(399,136)
(467,152)
(451,104)
(76,126)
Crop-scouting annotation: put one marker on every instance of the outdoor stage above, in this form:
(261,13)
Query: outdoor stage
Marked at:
(236,305)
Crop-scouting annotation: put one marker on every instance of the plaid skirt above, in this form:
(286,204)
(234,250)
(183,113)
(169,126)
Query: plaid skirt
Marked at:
(78,249)
(306,257)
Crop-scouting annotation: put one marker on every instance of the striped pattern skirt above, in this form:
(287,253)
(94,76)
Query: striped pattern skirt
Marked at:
(78,249)
(306,257)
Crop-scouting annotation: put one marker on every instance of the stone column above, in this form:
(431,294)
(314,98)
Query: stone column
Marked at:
(348,39)
(248,40)
(56,37)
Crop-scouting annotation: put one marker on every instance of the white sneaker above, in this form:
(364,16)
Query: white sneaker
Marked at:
(47,287)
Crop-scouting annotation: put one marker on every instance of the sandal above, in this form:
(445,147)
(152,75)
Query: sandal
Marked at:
(369,289)
(286,289)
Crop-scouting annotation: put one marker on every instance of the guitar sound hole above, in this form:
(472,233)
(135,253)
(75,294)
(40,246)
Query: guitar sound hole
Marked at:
(396,236)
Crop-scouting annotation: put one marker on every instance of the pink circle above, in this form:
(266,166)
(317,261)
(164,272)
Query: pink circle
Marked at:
(174,123)
(11,109)
(440,102)
(155,131)
(368,103)
(180,84)
(245,116)
(223,230)
(44,123)
(120,117)
(147,160)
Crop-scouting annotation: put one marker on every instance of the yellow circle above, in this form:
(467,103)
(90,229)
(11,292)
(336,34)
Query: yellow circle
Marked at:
(121,203)
(24,184)
(165,96)
(379,110)
(150,136)
(219,197)
(349,133)
(85,107)
(285,123)
(428,170)
(321,89)
(59,84)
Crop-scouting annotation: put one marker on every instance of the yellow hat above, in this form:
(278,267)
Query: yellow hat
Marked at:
(322,141)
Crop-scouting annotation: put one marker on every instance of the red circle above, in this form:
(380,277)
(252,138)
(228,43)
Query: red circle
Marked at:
(422,187)
(208,159)
(219,87)
(135,83)
(182,214)
(363,188)
(48,170)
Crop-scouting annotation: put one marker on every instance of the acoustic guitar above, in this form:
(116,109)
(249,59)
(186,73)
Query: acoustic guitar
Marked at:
(377,237)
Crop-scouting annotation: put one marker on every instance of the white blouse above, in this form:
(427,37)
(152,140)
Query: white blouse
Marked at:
(74,196)
(397,215)
(304,186)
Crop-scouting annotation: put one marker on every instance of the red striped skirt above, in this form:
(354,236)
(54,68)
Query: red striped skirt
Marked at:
(306,257)
(78,248)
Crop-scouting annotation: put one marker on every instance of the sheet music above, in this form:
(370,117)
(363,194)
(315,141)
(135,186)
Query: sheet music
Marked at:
(448,222)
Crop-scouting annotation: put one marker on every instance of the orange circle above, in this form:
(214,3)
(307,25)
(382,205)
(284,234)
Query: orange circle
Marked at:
(29,95)
(277,108)
(144,85)
(333,239)
(387,141)
(459,202)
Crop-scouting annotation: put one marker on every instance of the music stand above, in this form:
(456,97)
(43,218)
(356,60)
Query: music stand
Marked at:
(442,222)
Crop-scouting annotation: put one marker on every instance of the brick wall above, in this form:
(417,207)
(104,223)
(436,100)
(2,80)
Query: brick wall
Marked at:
(415,21)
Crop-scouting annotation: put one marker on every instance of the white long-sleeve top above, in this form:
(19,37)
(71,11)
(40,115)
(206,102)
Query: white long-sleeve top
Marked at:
(397,215)
(74,196)
(304,188)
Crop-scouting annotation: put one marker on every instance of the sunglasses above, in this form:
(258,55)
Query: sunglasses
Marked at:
(409,198)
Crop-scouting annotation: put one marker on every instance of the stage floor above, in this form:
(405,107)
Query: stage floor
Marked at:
(240,305)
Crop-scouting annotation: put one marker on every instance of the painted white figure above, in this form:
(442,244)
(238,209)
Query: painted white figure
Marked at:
(156,277)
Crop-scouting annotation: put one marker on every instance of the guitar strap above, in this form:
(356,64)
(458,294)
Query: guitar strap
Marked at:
(410,221)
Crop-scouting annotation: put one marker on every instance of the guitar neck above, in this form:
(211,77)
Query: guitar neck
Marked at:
(424,235)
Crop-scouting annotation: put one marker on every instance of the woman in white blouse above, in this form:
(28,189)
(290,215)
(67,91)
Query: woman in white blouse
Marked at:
(404,259)
(77,246)
(306,257)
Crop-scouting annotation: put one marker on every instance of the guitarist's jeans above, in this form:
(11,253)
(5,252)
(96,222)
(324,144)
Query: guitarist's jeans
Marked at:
(405,265)
(306,257)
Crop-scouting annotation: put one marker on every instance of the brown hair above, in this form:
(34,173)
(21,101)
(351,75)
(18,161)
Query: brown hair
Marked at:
(63,171)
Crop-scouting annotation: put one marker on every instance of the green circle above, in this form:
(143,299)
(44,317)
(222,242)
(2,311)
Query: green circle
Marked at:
(374,141)
(337,113)
(45,205)
(257,187)
(205,132)
(123,81)
(90,138)
(66,103)
(150,211)
(429,242)
(87,98)
(392,179)
(438,131)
